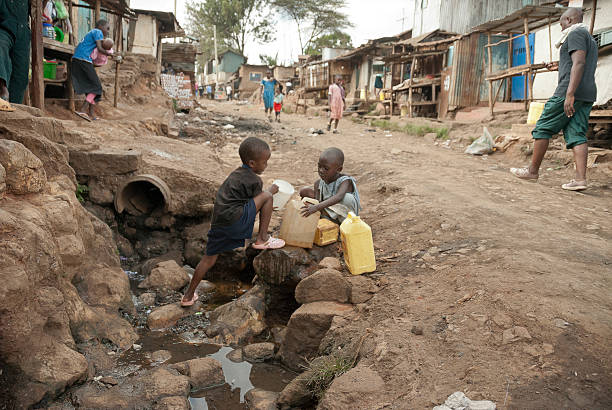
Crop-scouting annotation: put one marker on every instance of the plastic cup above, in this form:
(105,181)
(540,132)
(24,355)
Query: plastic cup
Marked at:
(285,191)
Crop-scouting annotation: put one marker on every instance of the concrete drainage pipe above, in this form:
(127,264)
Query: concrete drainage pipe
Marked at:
(142,194)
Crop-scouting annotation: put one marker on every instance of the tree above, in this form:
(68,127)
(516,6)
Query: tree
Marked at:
(337,39)
(270,61)
(237,21)
(314,18)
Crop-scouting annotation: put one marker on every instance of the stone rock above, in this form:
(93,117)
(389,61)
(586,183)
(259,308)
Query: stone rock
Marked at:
(2,181)
(417,329)
(105,161)
(515,334)
(166,275)
(306,329)
(124,246)
(235,356)
(203,372)
(105,287)
(99,193)
(361,388)
(205,287)
(167,315)
(502,320)
(162,383)
(147,266)
(241,320)
(258,352)
(109,380)
(172,403)
(161,356)
(330,263)
(362,289)
(24,171)
(323,285)
(258,399)
(459,401)
(278,266)
(147,299)
(296,395)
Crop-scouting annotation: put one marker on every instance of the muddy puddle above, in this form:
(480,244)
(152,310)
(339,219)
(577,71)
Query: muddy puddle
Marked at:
(186,340)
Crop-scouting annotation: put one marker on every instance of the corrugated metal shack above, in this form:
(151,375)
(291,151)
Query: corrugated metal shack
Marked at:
(182,57)
(416,66)
(483,62)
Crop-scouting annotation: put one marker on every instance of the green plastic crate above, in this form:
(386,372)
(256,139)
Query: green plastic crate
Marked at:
(50,70)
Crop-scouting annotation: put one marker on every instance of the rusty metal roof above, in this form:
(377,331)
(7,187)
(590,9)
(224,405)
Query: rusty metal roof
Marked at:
(537,17)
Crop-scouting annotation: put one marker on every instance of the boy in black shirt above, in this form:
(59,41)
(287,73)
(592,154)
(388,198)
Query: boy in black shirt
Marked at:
(238,200)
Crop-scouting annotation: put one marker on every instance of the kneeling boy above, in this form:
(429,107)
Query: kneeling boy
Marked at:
(337,193)
(238,201)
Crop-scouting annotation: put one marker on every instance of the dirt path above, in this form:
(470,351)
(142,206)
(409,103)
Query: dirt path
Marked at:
(469,253)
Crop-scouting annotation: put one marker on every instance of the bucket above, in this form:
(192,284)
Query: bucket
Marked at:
(362,94)
(285,191)
(50,69)
(535,111)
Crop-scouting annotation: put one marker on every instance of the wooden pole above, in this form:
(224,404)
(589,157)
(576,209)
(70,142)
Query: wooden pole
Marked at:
(508,96)
(593,17)
(549,41)
(529,96)
(37,83)
(119,26)
(72,20)
(96,12)
(412,64)
(490,70)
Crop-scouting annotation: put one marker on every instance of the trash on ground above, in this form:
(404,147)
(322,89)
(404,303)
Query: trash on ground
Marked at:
(483,145)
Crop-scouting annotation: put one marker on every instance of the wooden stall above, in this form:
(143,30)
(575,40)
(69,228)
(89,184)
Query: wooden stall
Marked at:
(45,47)
(416,66)
(517,25)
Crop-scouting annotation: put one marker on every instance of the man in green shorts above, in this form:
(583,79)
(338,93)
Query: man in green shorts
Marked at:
(569,107)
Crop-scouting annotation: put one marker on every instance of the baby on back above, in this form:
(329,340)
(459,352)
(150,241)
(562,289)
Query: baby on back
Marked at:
(100,59)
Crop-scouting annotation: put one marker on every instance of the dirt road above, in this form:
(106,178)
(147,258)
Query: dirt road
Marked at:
(508,280)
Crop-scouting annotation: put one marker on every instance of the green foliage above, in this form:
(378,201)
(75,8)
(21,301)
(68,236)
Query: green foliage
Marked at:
(82,192)
(314,18)
(335,39)
(412,129)
(236,21)
(325,370)
(269,60)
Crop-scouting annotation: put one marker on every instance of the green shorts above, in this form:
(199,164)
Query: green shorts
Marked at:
(553,120)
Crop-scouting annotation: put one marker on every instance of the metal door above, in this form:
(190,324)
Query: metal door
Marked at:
(519,57)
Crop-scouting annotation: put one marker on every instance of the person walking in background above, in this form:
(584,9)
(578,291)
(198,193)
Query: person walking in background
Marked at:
(278,102)
(268,85)
(378,85)
(336,96)
(209,91)
(84,77)
(569,107)
(229,91)
(14,51)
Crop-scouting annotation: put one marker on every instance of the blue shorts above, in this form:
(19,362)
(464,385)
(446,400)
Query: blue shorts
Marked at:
(227,238)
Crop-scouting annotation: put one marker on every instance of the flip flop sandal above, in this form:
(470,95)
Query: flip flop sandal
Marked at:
(6,106)
(271,243)
(574,185)
(523,173)
(83,116)
(191,302)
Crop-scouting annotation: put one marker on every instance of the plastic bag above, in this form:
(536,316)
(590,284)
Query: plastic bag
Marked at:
(60,8)
(483,145)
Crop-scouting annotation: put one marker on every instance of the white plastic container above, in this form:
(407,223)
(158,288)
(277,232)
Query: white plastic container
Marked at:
(285,191)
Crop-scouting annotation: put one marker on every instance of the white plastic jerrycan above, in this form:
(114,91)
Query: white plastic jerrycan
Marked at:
(285,191)
(295,229)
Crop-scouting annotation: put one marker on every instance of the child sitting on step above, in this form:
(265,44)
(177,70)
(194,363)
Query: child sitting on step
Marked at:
(337,193)
(238,201)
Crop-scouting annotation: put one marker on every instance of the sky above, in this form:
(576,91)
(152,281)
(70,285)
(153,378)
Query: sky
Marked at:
(384,19)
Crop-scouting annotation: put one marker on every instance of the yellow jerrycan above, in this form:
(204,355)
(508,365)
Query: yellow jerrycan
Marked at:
(357,245)
(295,229)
